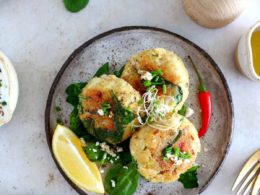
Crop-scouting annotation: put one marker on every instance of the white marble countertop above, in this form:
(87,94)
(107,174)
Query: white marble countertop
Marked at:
(39,35)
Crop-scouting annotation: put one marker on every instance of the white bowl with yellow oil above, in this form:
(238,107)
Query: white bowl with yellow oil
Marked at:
(247,56)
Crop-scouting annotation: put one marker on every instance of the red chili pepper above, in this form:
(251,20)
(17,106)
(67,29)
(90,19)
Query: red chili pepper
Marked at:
(205,103)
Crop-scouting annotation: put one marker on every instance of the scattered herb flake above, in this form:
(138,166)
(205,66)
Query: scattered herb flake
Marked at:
(59,121)
(106,107)
(57,108)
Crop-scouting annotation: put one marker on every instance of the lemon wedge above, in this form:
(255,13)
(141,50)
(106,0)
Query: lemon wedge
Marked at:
(68,151)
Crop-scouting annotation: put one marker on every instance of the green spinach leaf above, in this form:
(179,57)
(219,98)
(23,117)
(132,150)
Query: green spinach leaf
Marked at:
(122,116)
(75,5)
(183,110)
(73,92)
(97,155)
(75,123)
(119,72)
(189,178)
(104,69)
(121,179)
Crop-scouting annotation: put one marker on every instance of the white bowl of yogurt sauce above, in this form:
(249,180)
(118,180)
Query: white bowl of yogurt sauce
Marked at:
(9,89)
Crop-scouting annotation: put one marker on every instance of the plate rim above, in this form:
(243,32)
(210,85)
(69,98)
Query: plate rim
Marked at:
(129,28)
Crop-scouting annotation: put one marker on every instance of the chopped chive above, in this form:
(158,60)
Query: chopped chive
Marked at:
(106,108)
(4,103)
(147,83)
(177,152)
(164,89)
(156,78)
(157,72)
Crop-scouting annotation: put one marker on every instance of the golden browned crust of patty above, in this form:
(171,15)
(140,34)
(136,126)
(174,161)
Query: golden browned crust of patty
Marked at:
(170,63)
(99,91)
(147,144)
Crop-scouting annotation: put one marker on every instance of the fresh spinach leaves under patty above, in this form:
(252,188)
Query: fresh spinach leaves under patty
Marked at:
(104,69)
(189,178)
(122,179)
(96,154)
(119,72)
(73,92)
(75,123)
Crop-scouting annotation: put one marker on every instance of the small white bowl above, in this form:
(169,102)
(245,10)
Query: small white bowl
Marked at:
(244,55)
(9,89)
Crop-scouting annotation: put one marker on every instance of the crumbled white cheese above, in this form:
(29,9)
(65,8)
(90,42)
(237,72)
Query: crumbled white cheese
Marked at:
(94,150)
(113,183)
(186,161)
(168,155)
(133,99)
(110,115)
(178,162)
(119,149)
(125,167)
(189,112)
(100,112)
(102,171)
(105,147)
(97,143)
(111,161)
(145,75)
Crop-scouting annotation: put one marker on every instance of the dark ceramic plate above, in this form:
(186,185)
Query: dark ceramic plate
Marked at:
(116,46)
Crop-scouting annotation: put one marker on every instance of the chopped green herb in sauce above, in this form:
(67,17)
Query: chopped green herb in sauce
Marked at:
(4,103)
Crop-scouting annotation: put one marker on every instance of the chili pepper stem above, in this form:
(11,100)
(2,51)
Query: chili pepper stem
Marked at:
(202,86)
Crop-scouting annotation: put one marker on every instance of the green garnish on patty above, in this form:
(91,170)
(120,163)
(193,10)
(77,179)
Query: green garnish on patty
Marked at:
(106,107)
(175,153)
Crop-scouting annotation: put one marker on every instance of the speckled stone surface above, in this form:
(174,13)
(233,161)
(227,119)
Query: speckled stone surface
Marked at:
(38,36)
